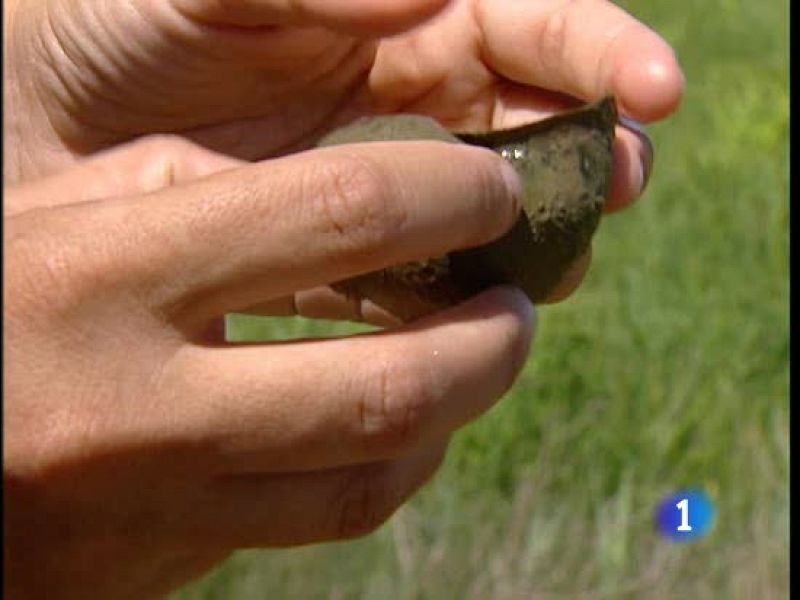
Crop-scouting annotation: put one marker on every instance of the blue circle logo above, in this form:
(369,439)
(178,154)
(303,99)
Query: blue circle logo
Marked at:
(685,515)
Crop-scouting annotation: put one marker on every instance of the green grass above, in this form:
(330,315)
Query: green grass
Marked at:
(668,368)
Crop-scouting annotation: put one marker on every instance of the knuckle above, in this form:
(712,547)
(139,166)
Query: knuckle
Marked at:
(51,273)
(364,502)
(391,411)
(355,201)
(36,271)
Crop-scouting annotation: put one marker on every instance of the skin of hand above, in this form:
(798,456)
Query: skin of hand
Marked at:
(257,78)
(139,448)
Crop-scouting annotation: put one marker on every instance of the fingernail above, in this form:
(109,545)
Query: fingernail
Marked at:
(522,304)
(645,150)
(646,155)
(525,308)
(512,181)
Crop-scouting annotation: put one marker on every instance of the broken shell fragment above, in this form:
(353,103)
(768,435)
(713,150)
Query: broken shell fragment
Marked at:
(565,164)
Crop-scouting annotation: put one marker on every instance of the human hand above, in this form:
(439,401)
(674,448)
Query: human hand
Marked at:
(258,78)
(139,448)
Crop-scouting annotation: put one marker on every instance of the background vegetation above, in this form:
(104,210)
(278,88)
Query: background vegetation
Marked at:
(668,368)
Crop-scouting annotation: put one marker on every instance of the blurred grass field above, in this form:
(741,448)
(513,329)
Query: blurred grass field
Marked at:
(668,368)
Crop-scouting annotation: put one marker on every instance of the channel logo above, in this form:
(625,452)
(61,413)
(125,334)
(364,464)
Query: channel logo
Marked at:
(685,515)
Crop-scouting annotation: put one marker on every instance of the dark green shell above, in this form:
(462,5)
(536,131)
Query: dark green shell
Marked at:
(565,165)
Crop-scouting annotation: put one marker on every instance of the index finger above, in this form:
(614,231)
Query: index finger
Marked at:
(247,235)
(585,49)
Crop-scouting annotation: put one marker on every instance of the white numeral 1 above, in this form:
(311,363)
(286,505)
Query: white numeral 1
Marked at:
(683,506)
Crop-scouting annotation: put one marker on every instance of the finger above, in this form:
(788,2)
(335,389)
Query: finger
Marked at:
(148,164)
(585,49)
(325,303)
(362,17)
(298,508)
(264,231)
(633,163)
(325,403)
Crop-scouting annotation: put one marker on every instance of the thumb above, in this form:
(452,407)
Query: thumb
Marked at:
(146,165)
(358,17)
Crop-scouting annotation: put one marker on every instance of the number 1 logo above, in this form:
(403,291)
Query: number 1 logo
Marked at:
(683,506)
(685,515)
